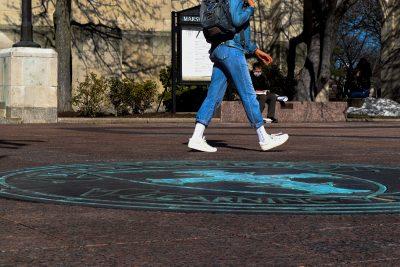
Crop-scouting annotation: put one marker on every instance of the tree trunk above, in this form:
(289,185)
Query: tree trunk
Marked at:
(324,73)
(306,87)
(311,34)
(291,57)
(321,20)
(62,20)
(390,54)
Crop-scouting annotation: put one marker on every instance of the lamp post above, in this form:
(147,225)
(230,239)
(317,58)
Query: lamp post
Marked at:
(26,27)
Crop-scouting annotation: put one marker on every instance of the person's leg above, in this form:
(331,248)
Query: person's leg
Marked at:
(271,101)
(236,67)
(215,94)
(261,101)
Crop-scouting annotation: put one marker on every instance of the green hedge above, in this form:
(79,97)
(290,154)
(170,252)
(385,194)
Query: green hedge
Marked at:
(96,93)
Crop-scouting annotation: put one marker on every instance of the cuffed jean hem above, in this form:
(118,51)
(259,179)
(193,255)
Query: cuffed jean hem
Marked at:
(202,122)
(257,125)
(253,125)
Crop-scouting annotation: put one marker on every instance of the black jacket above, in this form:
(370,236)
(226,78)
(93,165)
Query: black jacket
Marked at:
(260,83)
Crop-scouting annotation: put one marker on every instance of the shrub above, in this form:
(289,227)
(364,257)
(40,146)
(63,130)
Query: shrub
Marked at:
(96,93)
(140,95)
(188,98)
(91,95)
(119,96)
(166,78)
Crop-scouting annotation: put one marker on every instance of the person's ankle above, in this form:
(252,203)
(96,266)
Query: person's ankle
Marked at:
(198,131)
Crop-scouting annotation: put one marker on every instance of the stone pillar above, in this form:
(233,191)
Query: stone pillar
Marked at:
(28,84)
(390,54)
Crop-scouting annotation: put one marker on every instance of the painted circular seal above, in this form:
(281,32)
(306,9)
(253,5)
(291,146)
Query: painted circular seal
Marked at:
(212,186)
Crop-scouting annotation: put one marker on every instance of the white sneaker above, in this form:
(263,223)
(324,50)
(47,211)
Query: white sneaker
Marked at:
(282,98)
(275,140)
(267,120)
(201,145)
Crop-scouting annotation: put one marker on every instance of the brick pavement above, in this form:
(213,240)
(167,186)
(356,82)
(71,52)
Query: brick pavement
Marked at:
(46,234)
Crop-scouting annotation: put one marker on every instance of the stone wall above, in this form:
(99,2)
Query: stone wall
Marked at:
(233,111)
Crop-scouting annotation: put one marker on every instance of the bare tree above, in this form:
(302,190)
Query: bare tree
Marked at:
(274,24)
(358,37)
(320,23)
(63,36)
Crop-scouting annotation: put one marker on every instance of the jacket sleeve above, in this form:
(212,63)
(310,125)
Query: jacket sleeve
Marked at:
(239,15)
(251,47)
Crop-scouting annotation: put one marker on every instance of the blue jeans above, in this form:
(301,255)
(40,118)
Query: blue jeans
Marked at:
(230,63)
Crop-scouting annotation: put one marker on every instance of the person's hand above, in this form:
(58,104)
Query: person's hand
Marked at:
(251,3)
(264,57)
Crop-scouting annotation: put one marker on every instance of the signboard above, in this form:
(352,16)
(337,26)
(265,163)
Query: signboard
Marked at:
(195,62)
(190,19)
(190,63)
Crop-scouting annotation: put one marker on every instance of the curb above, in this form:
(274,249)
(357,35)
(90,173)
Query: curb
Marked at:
(127,120)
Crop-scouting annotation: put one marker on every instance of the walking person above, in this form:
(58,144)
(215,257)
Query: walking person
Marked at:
(226,26)
(264,95)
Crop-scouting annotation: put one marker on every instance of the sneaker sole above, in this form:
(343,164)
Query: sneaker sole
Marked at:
(269,147)
(199,149)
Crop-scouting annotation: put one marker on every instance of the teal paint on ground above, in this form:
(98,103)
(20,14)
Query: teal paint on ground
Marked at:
(217,186)
(285,181)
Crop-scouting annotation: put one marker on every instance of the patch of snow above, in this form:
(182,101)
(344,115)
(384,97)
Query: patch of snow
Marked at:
(376,107)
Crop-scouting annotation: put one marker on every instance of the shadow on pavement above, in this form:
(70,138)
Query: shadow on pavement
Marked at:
(16,144)
(150,131)
(220,144)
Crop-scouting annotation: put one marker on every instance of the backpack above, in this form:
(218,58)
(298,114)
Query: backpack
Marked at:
(216,21)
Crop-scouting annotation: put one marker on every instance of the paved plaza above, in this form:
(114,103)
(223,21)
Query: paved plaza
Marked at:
(38,227)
